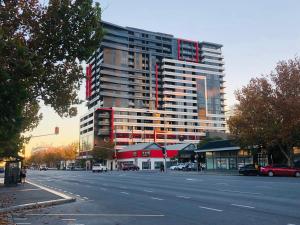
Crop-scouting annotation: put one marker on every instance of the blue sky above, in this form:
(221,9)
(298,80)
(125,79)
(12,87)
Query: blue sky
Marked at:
(256,34)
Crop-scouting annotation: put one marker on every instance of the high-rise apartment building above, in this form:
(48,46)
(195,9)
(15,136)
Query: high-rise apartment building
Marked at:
(145,86)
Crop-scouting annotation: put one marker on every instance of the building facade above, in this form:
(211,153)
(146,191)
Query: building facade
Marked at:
(145,86)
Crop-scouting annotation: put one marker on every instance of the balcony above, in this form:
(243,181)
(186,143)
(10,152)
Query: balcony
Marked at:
(103,132)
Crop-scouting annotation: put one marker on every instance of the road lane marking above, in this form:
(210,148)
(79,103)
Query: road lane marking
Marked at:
(78,195)
(20,218)
(69,219)
(190,179)
(50,190)
(31,189)
(222,184)
(181,196)
(95,214)
(125,193)
(240,192)
(212,209)
(159,199)
(148,191)
(22,223)
(244,206)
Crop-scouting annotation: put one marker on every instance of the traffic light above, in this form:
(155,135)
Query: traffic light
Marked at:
(56,131)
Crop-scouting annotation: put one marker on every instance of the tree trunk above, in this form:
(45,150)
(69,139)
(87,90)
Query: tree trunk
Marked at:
(288,155)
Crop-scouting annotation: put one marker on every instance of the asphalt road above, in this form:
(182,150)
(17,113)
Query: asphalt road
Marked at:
(153,198)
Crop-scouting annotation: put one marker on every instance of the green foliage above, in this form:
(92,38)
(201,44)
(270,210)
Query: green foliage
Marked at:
(268,113)
(208,139)
(41,48)
(103,151)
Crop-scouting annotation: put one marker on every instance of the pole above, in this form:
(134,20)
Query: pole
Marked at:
(165,144)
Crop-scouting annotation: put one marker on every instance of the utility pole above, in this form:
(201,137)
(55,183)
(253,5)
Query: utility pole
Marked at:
(165,144)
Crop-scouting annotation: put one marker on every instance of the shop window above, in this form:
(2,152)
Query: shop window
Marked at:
(146,165)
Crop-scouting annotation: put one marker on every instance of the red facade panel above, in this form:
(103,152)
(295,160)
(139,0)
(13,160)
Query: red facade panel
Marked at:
(155,153)
(88,83)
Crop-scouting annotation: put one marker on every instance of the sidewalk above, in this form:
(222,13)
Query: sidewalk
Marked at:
(27,196)
(208,172)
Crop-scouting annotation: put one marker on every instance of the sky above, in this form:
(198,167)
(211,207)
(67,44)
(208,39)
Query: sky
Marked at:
(255,35)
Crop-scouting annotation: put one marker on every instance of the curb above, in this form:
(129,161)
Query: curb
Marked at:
(36,205)
(64,199)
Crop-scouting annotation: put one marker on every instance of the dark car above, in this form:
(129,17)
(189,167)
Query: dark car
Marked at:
(130,167)
(248,170)
(280,170)
(1,170)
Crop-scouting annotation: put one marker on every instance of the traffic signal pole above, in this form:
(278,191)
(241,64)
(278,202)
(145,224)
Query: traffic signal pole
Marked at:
(56,131)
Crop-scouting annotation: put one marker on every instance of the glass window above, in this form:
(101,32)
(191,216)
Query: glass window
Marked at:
(146,165)
(157,164)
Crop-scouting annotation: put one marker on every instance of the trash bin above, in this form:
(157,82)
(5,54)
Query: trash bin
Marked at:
(12,173)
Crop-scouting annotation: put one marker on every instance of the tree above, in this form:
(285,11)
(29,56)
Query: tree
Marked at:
(52,156)
(208,139)
(41,48)
(268,112)
(103,151)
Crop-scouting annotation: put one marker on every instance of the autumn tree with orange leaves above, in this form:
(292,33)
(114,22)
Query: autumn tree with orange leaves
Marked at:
(53,155)
(268,110)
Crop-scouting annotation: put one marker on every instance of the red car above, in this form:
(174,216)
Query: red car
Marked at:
(279,170)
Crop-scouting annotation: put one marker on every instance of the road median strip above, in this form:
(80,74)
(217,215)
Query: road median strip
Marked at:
(41,204)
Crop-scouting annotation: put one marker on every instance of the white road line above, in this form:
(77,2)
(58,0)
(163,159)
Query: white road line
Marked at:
(149,191)
(86,198)
(222,184)
(244,206)
(31,189)
(181,196)
(50,190)
(78,195)
(125,193)
(190,179)
(22,223)
(159,199)
(20,218)
(69,219)
(241,192)
(94,214)
(212,209)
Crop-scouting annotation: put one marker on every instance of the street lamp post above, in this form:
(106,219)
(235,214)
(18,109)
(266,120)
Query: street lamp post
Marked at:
(165,145)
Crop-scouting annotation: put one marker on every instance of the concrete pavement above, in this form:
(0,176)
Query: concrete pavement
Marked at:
(173,198)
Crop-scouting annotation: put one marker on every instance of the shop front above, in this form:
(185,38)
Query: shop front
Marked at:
(225,155)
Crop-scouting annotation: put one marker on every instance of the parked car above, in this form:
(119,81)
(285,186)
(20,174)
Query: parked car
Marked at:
(98,167)
(130,167)
(1,169)
(280,170)
(190,167)
(248,170)
(43,167)
(179,166)
(78,168)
